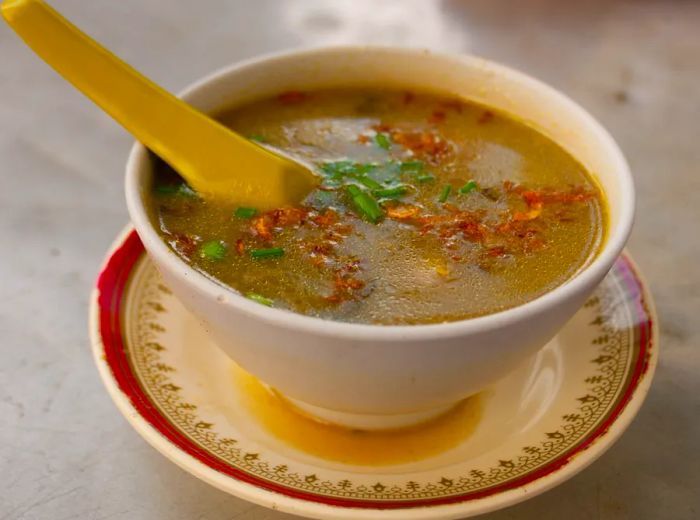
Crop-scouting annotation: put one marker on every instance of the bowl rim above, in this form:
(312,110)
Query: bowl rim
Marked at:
(227,296)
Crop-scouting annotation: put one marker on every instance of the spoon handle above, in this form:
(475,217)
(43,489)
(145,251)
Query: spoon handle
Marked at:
(201,149)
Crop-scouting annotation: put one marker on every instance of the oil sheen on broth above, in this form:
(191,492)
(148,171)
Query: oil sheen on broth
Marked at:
(431,209)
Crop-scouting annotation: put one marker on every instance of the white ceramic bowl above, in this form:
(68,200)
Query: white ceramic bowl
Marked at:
(380,376)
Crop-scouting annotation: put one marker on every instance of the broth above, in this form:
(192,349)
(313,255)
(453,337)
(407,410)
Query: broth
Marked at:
(431,209)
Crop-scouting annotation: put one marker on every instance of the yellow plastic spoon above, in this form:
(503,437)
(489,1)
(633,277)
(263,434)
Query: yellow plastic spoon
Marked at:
(214,160)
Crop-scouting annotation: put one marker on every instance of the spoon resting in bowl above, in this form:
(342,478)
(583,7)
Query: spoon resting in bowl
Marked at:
(215,161)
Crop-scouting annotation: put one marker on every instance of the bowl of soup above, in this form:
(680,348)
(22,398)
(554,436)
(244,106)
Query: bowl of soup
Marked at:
(464,213)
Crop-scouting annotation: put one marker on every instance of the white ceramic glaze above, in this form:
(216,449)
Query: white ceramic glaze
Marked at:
(390,370)
(369,422)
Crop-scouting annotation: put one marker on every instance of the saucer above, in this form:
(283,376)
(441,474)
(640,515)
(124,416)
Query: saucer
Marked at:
(534,429)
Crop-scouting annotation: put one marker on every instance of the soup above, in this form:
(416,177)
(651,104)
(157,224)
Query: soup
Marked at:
(430,209)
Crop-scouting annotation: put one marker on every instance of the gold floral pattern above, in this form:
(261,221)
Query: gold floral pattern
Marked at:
(611,360)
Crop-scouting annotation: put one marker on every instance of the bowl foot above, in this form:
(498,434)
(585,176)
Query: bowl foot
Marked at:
(369,421)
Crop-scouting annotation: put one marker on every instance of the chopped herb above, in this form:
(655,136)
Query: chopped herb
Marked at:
(213,250)
(425,178)
(167,189)
(273,252)
(186,191)
(382,141)
(412,166)
(246,212)
(445,193)
(468,187)
(391,193)
(260,299)
(369,182)
(258,138)
(362,168)
(181,189)
(337,169)
(387,172)
(365,203)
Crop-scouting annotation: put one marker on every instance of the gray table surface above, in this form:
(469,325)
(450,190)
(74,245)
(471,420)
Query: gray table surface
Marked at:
(66,453)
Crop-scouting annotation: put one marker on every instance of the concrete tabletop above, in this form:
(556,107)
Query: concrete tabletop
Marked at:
(65,451)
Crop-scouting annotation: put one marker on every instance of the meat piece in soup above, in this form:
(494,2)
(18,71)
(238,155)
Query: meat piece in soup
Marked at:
(431,209)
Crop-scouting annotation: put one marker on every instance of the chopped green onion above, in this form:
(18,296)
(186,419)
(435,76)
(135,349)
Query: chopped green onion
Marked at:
(245,212)
(167,189)
(258,138)
(365,203)
(213,250)
(425,178)
(391,193)
(468,187)
(369,182)
(260,299)
(181,189)
(186,191)
(387,172)
(445,193)
(412,166)
(362,168)
(382,141)
(338,169)
(273,252)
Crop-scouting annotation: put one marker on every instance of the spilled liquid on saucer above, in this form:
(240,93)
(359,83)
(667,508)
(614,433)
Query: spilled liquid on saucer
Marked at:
(356,447)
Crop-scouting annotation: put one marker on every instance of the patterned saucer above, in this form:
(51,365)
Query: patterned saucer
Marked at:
(536,428)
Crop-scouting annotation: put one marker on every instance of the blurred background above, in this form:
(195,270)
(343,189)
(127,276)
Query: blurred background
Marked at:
(66,453)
